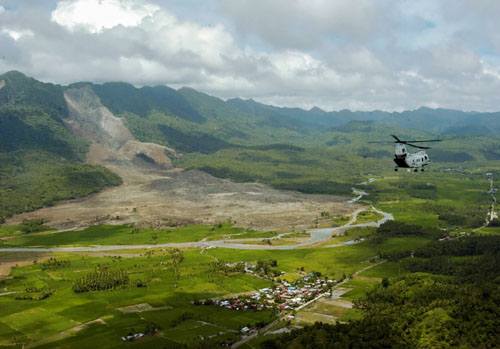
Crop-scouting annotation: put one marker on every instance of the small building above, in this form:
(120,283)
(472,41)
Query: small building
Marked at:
(244,330)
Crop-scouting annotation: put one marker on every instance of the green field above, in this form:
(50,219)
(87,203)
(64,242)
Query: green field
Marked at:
(121,235)
(444,200)
(169,287)
(95,317)
(368,216)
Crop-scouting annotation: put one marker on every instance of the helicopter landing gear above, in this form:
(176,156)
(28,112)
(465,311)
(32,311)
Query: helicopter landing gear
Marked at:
(396,169)
(422,169)
(416,170)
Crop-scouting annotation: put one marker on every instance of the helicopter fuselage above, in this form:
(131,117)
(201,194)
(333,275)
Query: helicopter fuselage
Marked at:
(407,160)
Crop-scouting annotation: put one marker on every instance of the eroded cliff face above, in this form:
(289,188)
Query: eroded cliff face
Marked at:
(113,145)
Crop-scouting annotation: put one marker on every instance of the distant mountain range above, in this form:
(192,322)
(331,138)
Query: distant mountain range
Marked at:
(190,121)
(436,121)
(188,105)
(42,160)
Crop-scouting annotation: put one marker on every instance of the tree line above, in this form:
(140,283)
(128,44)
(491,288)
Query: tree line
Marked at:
(53,263)
(101,280)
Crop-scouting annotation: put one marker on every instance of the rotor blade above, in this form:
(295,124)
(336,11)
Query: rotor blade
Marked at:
(416,146)
(396,138)
(382,142)
(453,148)
(427,140)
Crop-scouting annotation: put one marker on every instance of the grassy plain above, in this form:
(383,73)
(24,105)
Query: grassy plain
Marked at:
(368,216)
(438,199)
(120,235)
(181,321)
(95,316)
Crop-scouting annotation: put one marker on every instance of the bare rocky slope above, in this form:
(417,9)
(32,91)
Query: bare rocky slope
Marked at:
(154,193)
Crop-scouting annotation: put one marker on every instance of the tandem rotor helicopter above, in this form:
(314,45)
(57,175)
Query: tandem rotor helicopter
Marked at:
(404,159)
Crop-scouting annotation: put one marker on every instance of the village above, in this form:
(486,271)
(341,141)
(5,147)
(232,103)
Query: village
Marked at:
(283,297)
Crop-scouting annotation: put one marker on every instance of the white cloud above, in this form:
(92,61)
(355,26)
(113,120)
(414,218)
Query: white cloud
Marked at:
(199,45)
(333,54)
(96,15)
(17,34)
(304,23)
(489,70)
(2,9)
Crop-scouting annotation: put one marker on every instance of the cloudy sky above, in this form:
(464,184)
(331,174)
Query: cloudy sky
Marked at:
(335,54)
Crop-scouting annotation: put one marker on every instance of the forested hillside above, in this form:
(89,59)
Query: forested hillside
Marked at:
(41,163)
(19,90)
(290,148)
(436,121)
(312,151)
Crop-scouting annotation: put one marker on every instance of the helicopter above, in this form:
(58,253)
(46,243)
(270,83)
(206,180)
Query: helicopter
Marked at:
(404,159)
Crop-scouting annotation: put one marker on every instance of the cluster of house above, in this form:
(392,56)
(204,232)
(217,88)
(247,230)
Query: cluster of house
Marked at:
(282,296)
(131,337)
(452,170)
(150,330)
(453,237)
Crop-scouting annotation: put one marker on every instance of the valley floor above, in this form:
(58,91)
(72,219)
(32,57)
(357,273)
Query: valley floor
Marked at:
(45,300)
(190,197)
(317,237)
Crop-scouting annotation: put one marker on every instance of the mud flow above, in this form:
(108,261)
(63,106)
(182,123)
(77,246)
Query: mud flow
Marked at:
(156,194)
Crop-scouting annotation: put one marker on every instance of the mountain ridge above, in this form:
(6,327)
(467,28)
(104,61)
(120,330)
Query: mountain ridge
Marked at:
(123,97)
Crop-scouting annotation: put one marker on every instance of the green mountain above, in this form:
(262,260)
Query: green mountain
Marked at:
(294,119)
(20,90)
(445,121)
(121,97)
(192,122)
(308,150)
(436,121)
(41,163)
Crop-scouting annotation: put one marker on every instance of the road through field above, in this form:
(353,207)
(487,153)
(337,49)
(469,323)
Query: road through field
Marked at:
(317,236)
